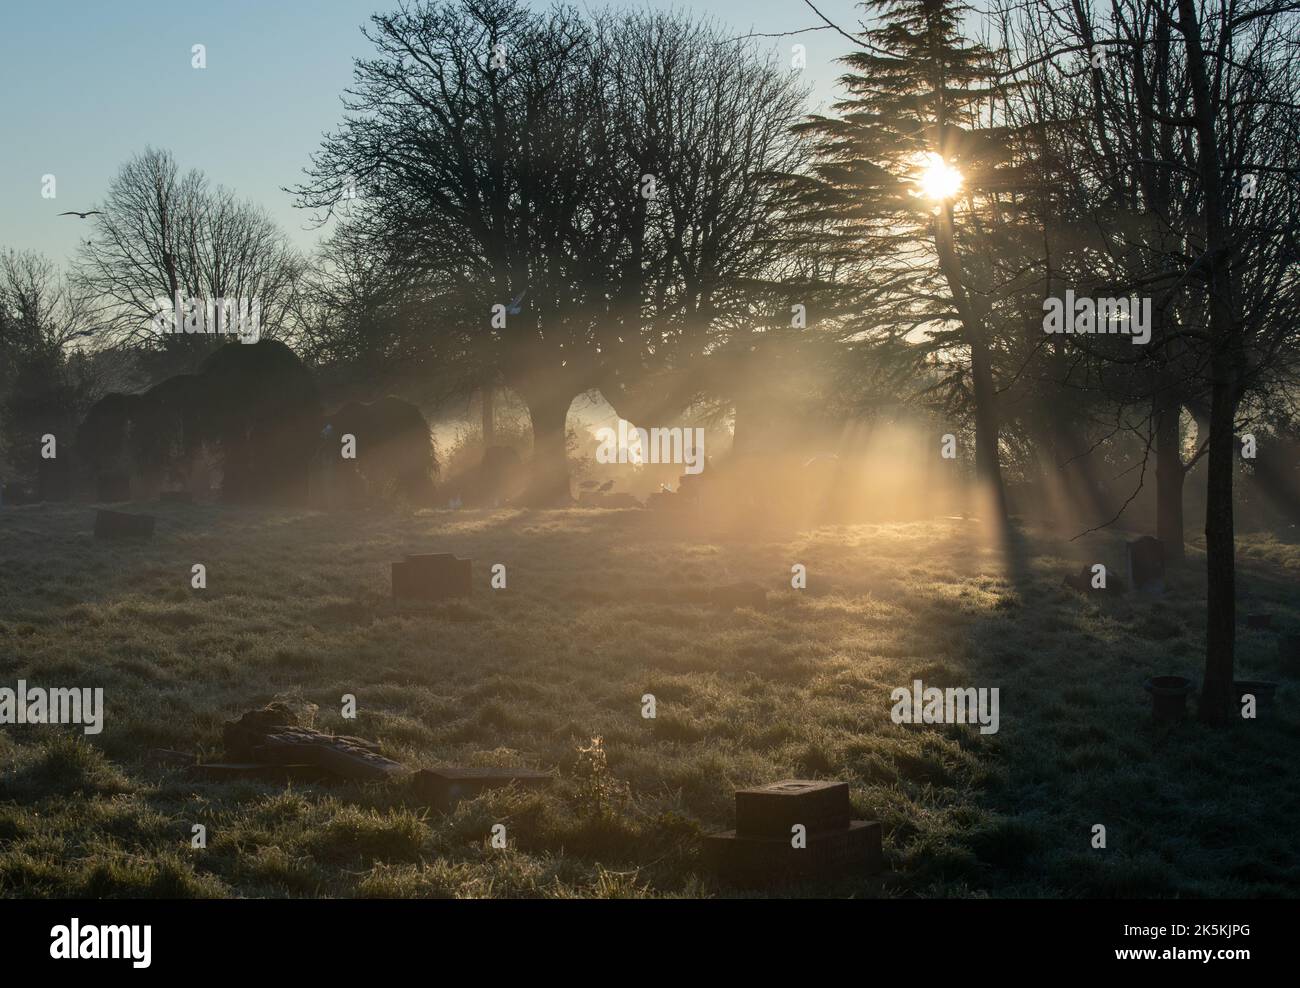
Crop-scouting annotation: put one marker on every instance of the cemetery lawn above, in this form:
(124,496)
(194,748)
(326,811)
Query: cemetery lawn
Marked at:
(602,607)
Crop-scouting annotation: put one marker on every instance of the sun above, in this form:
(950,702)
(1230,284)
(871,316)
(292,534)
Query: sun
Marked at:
(938,180)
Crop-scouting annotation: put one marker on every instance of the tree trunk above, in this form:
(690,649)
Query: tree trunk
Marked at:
(548,484)
(1169,481)
(1220,561)
(988,466)
(1225,363)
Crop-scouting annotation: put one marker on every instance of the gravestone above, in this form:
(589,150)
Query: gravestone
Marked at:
(112,487)
(120,525)
(431,576)
(771,810)
(1146,565)
(442,788)
(761,851)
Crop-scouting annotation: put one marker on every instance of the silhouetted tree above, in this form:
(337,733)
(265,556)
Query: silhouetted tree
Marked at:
(162,234)
(917,109)
(599,180)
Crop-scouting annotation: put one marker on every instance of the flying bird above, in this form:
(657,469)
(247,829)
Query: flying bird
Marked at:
(90,212)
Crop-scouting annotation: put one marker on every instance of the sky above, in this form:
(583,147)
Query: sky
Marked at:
(88,83)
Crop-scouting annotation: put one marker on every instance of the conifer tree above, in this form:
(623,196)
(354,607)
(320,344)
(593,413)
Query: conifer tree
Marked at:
(916,174)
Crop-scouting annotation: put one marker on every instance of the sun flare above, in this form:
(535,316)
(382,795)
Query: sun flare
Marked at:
(938,180)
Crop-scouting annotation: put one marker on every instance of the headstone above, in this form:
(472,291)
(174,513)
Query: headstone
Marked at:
(112,487)
(1169,697)
(442,788)
(771,810)
(1146,565)
(761,850)
(119,525)
(176,497)
(431,576)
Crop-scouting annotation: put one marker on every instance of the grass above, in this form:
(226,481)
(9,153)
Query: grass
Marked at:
(601,608)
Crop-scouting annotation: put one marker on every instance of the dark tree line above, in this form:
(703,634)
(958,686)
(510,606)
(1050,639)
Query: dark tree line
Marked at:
(570,203)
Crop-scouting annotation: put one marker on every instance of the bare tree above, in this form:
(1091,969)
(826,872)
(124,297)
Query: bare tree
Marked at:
(1185,145)
(44,379)
(598,180)
(161,234)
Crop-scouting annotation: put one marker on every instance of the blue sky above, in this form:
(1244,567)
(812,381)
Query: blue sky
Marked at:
(86,84)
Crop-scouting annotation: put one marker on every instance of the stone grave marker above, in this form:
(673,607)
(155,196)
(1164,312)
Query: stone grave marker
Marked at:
(761,850)
(771,810)
(1146,565)
(431,576)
